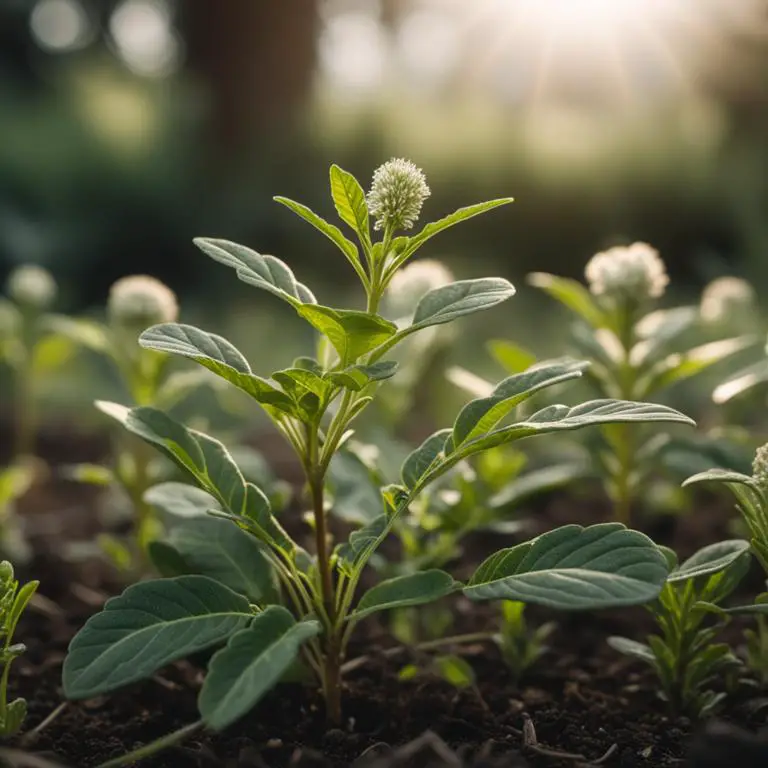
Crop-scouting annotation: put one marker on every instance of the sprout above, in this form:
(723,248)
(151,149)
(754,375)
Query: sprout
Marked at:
(398,191)
(627,273)
(760,467)
(32,287)
(409,284)
(726,299)
(138,301)
(6,573)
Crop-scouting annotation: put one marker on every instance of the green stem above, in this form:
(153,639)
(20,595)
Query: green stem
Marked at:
(4,697)
(153,747)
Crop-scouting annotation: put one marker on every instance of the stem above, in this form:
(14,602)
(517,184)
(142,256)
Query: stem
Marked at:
(625,449)
(4,697)
(155,746)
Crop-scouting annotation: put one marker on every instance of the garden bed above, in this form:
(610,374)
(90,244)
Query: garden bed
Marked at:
(582,703)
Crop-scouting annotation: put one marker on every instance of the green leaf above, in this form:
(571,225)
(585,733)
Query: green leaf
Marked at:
(180,500)
(86,333)
(742,382)
(352,333)
(356,497)
(412,589)
(412,244)
(334,234)
(357,377)
(150,625)
(632,648)
(252,662)
(708,560)
(91,474)
(536,482)
(360,543)
(479,416)
(216,354)
(420,461)
(574,568)
(454,670)
(217,548)
(571,294)
(260,270)
(726,476)
(511,356)
(441,305)
(349,199)
(15,715)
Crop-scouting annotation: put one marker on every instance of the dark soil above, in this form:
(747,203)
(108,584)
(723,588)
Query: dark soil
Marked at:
(583,704)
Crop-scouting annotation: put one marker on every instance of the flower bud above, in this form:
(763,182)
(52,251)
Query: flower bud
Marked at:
(410,283)
(398,191)
(138,301)
(32,287)
(627,273)
(727,301)
(760,467)
(6,573)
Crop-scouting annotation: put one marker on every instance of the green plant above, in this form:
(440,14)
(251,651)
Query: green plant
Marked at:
(135,303)
(521,646)
(13,601)
(684,654)
(314,404)
(637,351)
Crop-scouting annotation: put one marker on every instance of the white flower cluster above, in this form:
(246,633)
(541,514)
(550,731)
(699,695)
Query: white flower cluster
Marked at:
(411,282)
(634,272)
(138,301)
(32,286)
(760,467)
(398,191)
(725,299)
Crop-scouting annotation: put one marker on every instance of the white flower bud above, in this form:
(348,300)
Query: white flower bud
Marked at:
(727,300)
(760,467)
(410,283)
(138,301)
(31,286)
(398,191)
(627,273)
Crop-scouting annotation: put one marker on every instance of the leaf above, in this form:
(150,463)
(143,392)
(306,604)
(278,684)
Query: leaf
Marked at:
(708,560)
(216,354)
(511,356)
(252,662)
(479,416)
(357,377)
(352,333)
(91,474)
(574,568)
(334,234)
(412,589)
(742,382)
(454,670)
(349,199)
(412,244)
(86,333)
(441,305)
(260,270)
(180,500)
(571,294)
(359,544)
(218,549)
(356,497)
(150,625)
(538,481)
(632,648)
(420,461)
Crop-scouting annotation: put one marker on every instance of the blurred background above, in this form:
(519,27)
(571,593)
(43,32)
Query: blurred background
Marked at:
(127,127)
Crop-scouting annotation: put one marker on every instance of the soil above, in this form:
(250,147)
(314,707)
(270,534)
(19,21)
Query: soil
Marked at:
(581,705)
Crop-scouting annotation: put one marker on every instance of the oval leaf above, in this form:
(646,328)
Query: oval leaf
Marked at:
(180,500)
(253,661)
(711,559)
(420,461)
(572,294)
(574,568)
(413,589)
(350,202)
(150,625)
(464,297)
(260,270)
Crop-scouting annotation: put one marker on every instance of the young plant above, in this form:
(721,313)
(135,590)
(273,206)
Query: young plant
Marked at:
(684,654)
(314,404)
(521,646)
(751,493)
(637,351)
(13,601)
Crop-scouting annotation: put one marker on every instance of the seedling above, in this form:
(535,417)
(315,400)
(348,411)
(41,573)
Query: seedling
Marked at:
(637,351)
(521,646)
(684,654)
(314,404)
(13,601)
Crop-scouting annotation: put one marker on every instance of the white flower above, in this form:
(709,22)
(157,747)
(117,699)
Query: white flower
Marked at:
(760,467)
(398,191)
(138,301)
(410,283)
(32,286)
(727,299)
(633,272)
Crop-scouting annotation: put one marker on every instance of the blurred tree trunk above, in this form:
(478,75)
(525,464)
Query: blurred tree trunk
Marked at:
(256,57)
